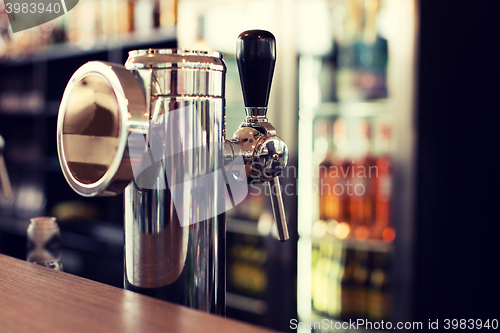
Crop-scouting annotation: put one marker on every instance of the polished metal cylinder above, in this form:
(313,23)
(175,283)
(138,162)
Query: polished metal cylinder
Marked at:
(174,207)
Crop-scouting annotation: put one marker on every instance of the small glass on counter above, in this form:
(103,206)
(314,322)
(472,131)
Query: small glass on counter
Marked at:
(44,242)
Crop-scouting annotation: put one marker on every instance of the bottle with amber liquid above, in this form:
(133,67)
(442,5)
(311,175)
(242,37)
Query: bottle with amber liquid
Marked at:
(383,193)
(334,202)
(322,151)
(363,178)
(125,14)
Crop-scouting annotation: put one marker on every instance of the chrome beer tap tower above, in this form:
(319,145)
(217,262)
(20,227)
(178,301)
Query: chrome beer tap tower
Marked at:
(154,130)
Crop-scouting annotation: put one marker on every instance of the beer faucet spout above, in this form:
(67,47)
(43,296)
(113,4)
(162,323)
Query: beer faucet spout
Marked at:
(265,153)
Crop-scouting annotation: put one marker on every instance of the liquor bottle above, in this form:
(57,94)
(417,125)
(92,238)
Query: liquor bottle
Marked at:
(318,233)
(334,195)
(87,23)
(125,16)
(334,281)
(360,281)
(373,54)
(383,192)
(379,301)
(130,16)
(82,23)
(327,75)
(315,255)
(108,18)
(346,285)
(72,17)
(347,36)
(59,33)
(144,16)
(322,271)
(246,266)
(44,243)
(201,43)
(322,151)
(168,13)
(343,164)
(363,178)
(156,14)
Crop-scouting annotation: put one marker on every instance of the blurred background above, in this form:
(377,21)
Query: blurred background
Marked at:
(386,106)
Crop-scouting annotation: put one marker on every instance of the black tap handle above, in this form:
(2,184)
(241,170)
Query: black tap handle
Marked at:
(256,57)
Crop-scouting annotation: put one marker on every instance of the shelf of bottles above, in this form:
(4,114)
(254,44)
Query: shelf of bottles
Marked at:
(90,24)
(35,65)
(248,226)
(345,170)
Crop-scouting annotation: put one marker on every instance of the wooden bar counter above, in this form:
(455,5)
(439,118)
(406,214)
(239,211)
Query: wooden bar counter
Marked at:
(38,299)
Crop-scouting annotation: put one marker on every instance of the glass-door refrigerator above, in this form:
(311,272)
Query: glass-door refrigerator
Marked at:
(356,74)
